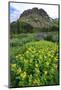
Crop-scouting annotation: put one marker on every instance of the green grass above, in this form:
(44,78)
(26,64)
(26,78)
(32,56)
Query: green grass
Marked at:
(34,59)
(20,39)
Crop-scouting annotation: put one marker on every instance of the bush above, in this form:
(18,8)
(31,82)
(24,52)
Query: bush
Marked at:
(36,65)
(52,36)
(25,27)
(54,28)
(20,27)
(13,27)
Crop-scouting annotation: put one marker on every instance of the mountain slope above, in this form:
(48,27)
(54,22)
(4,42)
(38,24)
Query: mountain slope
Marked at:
(36,17)
(34,20)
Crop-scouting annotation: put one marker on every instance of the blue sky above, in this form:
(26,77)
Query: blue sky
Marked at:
(17,8)
(14,14)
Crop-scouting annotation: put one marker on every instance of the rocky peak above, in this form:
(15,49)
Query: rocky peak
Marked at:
(42,12)
(35,10)
(36,18)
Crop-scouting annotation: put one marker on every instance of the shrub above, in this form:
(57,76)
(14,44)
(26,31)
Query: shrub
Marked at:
(54,28)
(13,27)
(52,36)
(36,65)
(25,27)
(20,27)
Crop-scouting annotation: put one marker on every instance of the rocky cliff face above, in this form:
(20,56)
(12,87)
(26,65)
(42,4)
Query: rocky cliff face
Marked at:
(36,17)
(34,11)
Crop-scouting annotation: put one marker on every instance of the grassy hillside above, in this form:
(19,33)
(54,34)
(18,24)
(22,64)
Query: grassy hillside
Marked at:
(22,48)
